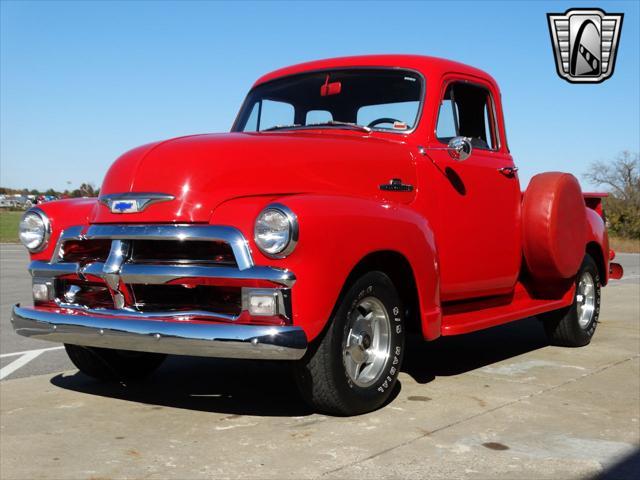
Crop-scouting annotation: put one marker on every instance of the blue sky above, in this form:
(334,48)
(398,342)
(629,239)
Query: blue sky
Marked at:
(82,82)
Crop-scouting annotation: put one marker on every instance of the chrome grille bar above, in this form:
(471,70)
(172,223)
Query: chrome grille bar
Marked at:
(161,274)
(221,233)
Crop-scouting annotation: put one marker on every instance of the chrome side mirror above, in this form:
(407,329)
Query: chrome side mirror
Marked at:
(459,148)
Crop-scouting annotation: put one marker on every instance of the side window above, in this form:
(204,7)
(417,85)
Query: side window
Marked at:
(318,116)
(467,110)
(252,121)
(274,114)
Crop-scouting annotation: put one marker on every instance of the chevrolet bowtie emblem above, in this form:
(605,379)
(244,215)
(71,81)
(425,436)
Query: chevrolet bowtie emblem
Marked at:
(585,42)
(132,202)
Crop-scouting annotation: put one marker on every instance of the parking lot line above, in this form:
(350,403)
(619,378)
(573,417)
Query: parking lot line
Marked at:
(24,352)
(24,358)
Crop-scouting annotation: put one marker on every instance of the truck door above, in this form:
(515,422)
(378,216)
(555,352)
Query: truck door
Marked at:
(477,219)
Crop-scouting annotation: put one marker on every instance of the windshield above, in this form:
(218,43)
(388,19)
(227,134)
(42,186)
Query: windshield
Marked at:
(363,99)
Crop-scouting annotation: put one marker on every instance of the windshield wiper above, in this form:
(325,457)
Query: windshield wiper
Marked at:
(336,123)
(281,127)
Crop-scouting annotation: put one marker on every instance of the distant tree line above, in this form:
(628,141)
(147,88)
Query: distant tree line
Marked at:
(621,178)
(85,190)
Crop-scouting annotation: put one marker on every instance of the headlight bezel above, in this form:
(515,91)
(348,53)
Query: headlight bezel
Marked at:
(294,230)
(46,225)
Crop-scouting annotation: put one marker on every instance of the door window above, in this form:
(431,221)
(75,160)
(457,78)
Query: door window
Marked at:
(467,110)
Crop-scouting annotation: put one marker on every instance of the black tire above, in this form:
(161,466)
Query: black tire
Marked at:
(563,327)
(322,375)
(108,364)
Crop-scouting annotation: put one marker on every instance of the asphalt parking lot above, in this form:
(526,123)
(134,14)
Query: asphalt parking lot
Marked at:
(495,404)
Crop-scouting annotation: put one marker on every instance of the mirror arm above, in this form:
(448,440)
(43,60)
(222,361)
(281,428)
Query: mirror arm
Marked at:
(456,148)
(423,150)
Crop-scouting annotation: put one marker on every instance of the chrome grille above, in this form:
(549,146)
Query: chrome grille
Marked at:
(197,269)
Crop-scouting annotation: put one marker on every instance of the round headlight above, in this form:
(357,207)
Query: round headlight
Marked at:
(34,230)
(276,231)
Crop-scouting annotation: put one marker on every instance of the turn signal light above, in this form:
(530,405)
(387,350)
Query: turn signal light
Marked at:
(261,302)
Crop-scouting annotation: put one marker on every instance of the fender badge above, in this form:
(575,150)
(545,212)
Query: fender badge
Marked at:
(132,202)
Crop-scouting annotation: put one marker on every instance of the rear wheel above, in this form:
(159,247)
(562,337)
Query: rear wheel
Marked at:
(576,325)
(109,364)
(355,365)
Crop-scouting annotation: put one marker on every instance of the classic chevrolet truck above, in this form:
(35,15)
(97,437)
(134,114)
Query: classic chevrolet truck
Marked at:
(355,200)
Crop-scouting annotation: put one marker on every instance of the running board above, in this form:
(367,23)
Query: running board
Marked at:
(473,315)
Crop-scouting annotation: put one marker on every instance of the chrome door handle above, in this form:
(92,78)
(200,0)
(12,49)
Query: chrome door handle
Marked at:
(508,171)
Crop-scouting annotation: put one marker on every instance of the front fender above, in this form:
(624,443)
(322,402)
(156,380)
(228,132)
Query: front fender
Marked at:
(336,232)
(63,214)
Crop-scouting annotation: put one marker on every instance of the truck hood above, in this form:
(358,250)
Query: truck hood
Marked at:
(202,171)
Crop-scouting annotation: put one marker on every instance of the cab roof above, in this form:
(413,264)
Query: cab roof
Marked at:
(427,66)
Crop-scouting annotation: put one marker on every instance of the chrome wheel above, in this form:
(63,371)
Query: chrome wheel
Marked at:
(367,345)
(585,299)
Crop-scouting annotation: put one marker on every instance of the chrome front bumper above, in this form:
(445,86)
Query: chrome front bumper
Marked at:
(160,335)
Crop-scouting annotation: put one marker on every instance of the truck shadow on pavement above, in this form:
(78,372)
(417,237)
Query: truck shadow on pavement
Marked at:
(243,387)
(459,354)
(237,387)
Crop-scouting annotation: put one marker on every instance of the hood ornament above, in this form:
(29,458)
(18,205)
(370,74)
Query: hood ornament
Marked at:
(132,202)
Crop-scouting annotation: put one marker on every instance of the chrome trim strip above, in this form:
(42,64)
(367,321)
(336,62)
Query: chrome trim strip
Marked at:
(176,338)
(222,233)
(161,274)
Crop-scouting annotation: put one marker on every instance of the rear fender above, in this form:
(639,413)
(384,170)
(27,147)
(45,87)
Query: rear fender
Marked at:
(336,233)
(598,243)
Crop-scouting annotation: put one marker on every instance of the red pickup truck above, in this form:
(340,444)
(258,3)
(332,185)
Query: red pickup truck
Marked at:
(355,200)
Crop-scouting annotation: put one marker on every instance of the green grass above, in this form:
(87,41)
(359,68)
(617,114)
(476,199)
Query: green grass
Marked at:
(9,226)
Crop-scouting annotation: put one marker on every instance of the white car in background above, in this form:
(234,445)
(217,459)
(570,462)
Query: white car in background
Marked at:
(18,201)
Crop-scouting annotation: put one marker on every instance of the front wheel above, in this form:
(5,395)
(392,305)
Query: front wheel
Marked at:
(575,326)
(355,365)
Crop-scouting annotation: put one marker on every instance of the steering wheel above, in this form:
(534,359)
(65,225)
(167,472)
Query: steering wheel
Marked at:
(378,121)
